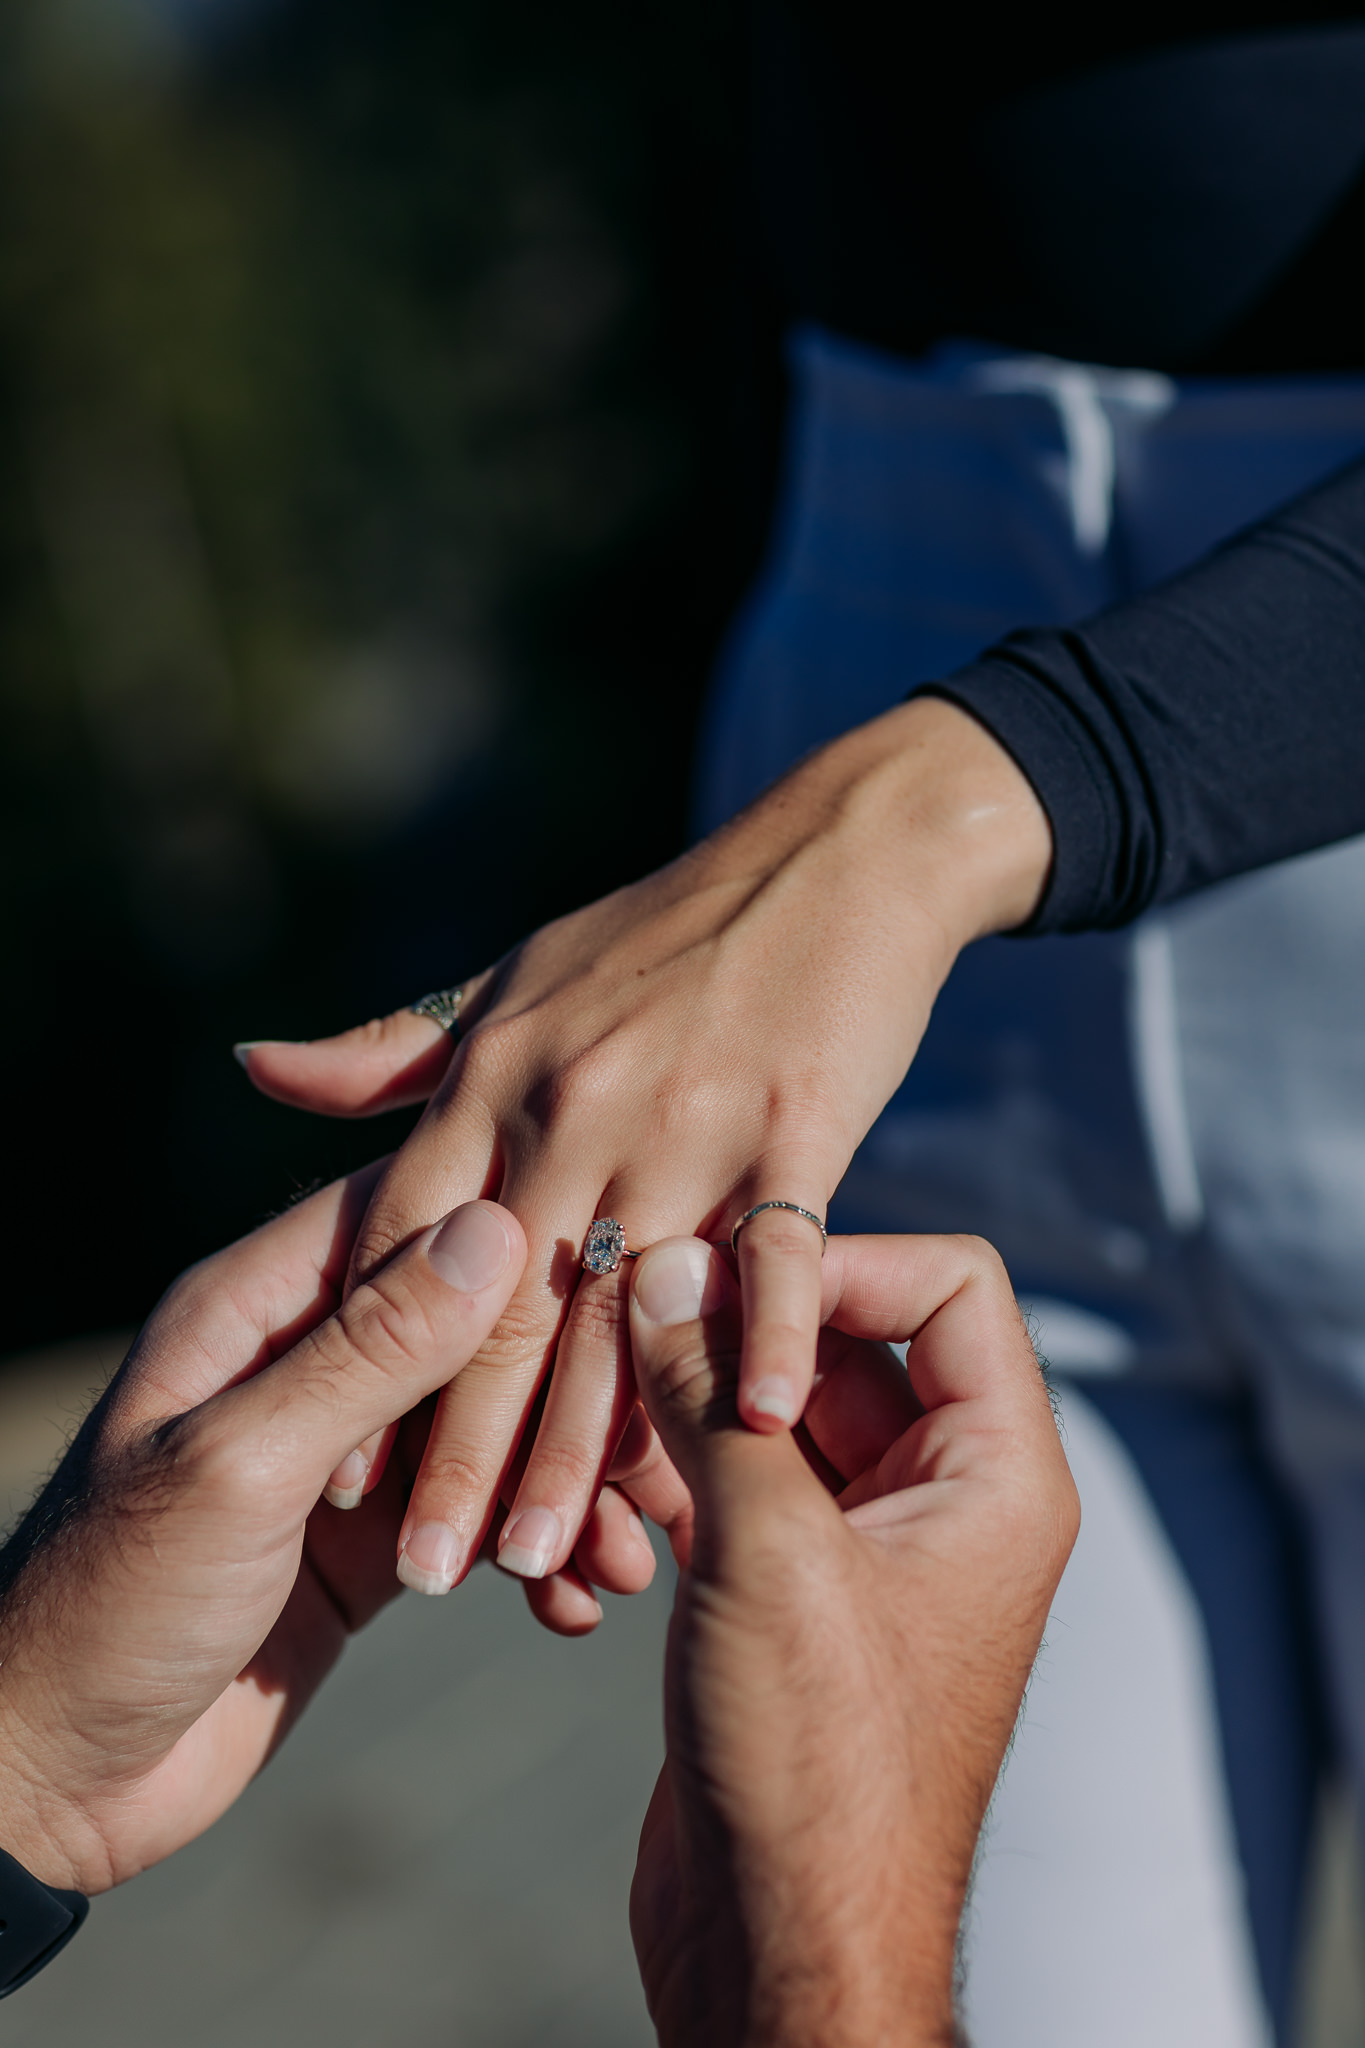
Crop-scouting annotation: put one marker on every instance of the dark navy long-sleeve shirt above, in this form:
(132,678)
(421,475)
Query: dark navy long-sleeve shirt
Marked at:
(1180,189)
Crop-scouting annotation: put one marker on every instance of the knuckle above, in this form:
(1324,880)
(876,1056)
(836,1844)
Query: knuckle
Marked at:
(691,1380)
(786,1237)
(804,1098)
(374,1032)
(578,1087)
(455,1475)
(1066,1519)
(189,1294)
(522,1337)
(778,1340)
(375,1035)
(599,1313)
(1050,1521)
(592,1075)
(686,1102)
(1038,1533)
(386,1322)
(564,1468)
(980,1254)
(379,1237)
(490,1051)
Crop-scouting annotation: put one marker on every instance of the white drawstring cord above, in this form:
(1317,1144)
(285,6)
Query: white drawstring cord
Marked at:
(1083,394)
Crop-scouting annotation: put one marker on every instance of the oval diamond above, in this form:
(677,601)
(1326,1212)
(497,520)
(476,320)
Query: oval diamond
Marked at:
(605,1245)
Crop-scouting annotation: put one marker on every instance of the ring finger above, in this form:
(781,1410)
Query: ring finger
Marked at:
(589,1399)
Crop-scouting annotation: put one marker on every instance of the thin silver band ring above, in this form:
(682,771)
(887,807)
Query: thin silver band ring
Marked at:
(793,1208)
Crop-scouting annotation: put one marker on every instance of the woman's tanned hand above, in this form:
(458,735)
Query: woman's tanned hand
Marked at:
(719,1035)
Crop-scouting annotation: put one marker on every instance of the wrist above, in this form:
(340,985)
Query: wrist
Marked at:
(865,1966)
(42,1827)
(864,2013)
(923,801)
(36,1836)
(959,810)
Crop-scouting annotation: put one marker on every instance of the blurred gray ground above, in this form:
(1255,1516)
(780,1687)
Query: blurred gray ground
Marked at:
(441,1853)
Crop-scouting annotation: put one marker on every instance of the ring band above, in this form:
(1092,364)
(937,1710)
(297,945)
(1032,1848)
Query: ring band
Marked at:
(794,1208)
(443,1008)
(605,1246)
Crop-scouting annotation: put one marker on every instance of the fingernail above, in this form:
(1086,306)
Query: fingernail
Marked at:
(772,1397)
(243,1050)
(471,1249)
(430,1558)
(635,1528)
(678,1282)
(346,1487)
(538,1537)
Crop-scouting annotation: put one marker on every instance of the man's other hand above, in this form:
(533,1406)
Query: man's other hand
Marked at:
(179,1590)
(850,1645)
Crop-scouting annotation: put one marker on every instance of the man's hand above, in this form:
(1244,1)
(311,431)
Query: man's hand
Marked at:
(849,1647)
(719,1035)
(177,1594)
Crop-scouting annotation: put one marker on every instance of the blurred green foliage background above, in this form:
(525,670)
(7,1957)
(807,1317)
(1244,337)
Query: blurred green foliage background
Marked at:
(370,382)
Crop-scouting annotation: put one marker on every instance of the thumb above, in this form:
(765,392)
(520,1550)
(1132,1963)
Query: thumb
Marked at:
(386,1064)
(686,1330)
(408,1330)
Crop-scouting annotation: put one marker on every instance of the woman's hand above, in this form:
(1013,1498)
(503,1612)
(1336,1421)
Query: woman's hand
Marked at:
(177,1594)
(849,1646)
(719,1035)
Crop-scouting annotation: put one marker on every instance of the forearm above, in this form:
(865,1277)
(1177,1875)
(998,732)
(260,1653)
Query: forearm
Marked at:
(850,1990)
(42,1821)
(1208,728)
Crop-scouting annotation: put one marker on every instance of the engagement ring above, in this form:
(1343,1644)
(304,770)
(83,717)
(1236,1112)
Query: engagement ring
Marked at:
(605,1246)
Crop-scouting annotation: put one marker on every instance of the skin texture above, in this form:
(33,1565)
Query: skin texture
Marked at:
(180,1590)
(721,1034)
(858,1610)
(852,1636)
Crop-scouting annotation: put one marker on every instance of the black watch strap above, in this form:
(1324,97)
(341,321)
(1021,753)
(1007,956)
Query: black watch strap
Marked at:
(36,1921)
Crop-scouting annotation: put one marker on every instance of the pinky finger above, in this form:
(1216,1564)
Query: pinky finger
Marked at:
(613,1551)
(564,1603)
(647,1476)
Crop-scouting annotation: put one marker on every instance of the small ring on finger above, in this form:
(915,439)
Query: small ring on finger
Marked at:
(605,1246)
(443,1008)
(793,1208)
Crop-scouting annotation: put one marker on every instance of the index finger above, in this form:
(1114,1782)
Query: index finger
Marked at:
(950,1300)
(970,1363)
